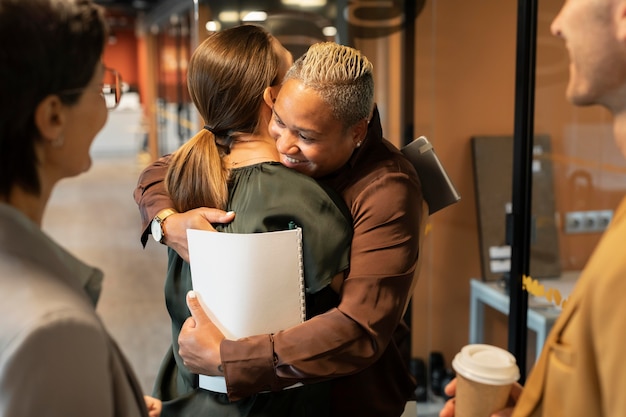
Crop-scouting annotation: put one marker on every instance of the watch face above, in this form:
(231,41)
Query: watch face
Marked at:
(155,228)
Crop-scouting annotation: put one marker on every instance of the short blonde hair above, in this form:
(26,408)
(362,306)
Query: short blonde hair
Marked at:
(341,75)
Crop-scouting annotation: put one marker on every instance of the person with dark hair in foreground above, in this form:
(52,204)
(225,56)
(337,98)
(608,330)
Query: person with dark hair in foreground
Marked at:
(56,357)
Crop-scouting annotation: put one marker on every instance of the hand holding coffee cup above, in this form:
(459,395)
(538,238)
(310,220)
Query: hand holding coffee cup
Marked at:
(485,375)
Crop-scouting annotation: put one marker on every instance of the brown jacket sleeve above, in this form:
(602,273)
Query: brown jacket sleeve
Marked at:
(150,194)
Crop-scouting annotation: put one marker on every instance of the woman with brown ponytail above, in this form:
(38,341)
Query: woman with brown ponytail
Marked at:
(232,164)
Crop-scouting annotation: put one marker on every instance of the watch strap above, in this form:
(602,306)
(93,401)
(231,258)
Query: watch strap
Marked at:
(160,219)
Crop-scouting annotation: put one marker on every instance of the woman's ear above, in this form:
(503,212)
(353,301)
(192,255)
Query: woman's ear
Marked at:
(269,95)
(359,131)
(50,118)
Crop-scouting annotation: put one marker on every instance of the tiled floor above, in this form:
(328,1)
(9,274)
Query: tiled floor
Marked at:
(95,217)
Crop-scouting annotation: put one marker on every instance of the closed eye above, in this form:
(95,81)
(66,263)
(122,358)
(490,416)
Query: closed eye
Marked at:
(305,138)
(277,119)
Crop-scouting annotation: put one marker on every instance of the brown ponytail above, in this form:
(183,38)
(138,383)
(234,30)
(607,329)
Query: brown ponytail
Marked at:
(226,77)
(196,176)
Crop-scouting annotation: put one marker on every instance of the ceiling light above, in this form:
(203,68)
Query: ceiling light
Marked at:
(255,16)
(213,26)
(329,31)
(228,16)
(304,3)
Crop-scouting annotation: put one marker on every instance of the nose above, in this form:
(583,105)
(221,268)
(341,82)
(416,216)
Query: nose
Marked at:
(555,27)
(286,145)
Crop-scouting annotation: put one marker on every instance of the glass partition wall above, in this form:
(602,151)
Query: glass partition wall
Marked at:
(465,100)
(165,39)
(174,105)
(445,70)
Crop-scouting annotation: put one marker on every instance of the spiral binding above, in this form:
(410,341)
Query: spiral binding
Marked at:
(301,272)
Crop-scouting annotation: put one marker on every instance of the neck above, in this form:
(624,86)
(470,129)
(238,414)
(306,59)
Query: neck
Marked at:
(251,149)
(31,205)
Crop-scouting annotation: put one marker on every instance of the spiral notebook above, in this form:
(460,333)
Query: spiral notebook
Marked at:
(248,284)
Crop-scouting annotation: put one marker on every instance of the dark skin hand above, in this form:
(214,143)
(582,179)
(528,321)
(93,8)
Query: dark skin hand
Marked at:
(199,341)
(201,218)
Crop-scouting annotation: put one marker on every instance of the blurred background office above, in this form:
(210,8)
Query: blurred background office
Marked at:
(444,69)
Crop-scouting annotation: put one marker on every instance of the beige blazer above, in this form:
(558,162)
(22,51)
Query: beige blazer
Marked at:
(56,358)
(582,369)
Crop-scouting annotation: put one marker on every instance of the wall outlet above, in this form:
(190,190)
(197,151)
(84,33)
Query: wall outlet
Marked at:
(587,221)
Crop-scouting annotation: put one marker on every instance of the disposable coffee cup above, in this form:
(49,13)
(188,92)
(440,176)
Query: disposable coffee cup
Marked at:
(485,375)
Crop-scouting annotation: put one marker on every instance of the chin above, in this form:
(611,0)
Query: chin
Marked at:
(87,166)
(580,98)
(301,169)
(582,101)
(84,168)
(584,91)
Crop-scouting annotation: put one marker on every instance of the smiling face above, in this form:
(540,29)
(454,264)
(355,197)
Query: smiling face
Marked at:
(308,136)
(593,31)
(86,118)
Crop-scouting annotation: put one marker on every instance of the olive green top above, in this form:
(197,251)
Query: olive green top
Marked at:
(266,197)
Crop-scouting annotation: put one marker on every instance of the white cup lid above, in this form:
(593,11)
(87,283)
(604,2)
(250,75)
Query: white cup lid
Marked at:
(486,364)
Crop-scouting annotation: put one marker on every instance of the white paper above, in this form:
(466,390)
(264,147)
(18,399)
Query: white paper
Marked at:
(249,284)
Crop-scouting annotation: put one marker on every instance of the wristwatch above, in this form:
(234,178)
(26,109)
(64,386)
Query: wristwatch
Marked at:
(157,227)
